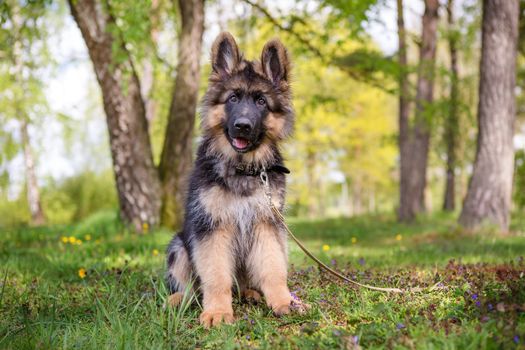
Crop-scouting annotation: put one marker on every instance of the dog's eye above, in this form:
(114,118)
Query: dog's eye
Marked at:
(233,99)
(261,101)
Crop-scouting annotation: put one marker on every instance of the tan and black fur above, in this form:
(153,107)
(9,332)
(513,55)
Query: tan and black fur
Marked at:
(230,236)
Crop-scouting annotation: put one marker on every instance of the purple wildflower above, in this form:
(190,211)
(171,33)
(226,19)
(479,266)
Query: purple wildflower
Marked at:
(333,262)
(475,296)
(478,303)
(490,307)
(516,339)
(400,326)
(248,337)
(294,296)
(361,261)
(252,322)
(355,339)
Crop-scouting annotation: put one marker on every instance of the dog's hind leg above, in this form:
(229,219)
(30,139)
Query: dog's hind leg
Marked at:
(179,272)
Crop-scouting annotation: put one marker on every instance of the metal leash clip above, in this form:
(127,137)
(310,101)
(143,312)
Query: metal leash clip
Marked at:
(266,185)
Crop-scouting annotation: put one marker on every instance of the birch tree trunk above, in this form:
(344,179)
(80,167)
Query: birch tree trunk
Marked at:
(135,174)
(490,188)
(33,193)
(176,157)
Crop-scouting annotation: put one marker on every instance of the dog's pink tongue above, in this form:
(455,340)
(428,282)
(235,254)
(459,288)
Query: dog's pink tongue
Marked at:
(240,143)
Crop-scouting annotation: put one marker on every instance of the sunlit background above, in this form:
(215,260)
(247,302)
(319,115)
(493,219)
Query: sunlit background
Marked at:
(343,156)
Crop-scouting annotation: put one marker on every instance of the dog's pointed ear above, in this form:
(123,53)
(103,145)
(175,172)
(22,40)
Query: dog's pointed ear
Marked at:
(275,61)
(224,54)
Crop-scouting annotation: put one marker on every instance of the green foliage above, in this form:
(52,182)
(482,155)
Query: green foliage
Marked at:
(342,126)
(14,212)
(131,30)
(64,202)
(519,180)
(119,303)
(79,196)
(23,56)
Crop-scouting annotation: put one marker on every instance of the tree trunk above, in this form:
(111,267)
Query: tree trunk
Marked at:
(176,157)
(404,110)
(135,174)
(414,162)
(490,188)
(451,123)
(33,194)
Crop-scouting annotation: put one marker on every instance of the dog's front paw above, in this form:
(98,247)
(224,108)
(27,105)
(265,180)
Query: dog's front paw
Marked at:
(214,318)
(281,310)
(297,305)
(294,304)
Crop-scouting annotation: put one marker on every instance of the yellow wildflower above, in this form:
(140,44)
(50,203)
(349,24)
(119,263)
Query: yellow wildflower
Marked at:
(326,247)
(82,273)
(155,252)
(399,237)
(87,237)
(354,240)
(64,239)
(97,241)
(145,227)
(72,240)
(78,242)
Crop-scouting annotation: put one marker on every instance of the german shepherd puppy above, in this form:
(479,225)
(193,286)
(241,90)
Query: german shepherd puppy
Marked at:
(230,237)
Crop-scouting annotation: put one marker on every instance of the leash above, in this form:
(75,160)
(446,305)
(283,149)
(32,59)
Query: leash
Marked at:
(268,193)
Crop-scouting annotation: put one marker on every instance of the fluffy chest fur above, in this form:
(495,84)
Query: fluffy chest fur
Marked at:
(228,208)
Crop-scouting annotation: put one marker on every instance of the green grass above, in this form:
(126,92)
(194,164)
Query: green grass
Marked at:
(119,304)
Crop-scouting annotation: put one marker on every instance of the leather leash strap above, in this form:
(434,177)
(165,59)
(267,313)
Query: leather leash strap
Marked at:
(266,186)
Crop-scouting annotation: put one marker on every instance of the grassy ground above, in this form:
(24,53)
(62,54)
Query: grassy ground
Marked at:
(46,300)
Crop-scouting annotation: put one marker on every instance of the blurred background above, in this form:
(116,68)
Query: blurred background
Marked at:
(90,87)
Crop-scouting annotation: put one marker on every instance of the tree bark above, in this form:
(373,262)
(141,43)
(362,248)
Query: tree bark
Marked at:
(176,157)
(415,158)
(451,123)
(135,174)
(490,189)
(33,193)
(404,111)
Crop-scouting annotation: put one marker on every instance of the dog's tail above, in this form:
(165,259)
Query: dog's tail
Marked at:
(179,273)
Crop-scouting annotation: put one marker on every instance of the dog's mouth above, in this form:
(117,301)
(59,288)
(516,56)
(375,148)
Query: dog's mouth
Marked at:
(240,144)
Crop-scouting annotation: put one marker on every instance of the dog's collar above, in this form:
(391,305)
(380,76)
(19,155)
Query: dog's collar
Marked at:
(253,170)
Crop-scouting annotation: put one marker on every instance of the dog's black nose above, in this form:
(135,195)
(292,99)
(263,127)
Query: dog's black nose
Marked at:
(243,125)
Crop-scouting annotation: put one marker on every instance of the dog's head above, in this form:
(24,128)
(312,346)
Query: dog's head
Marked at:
(247,107)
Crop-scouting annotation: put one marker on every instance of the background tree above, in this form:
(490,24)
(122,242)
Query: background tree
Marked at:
(414,156)
(404,106)
(452,120)
(490,189)
(136,177)
(23,38)
(176,157)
